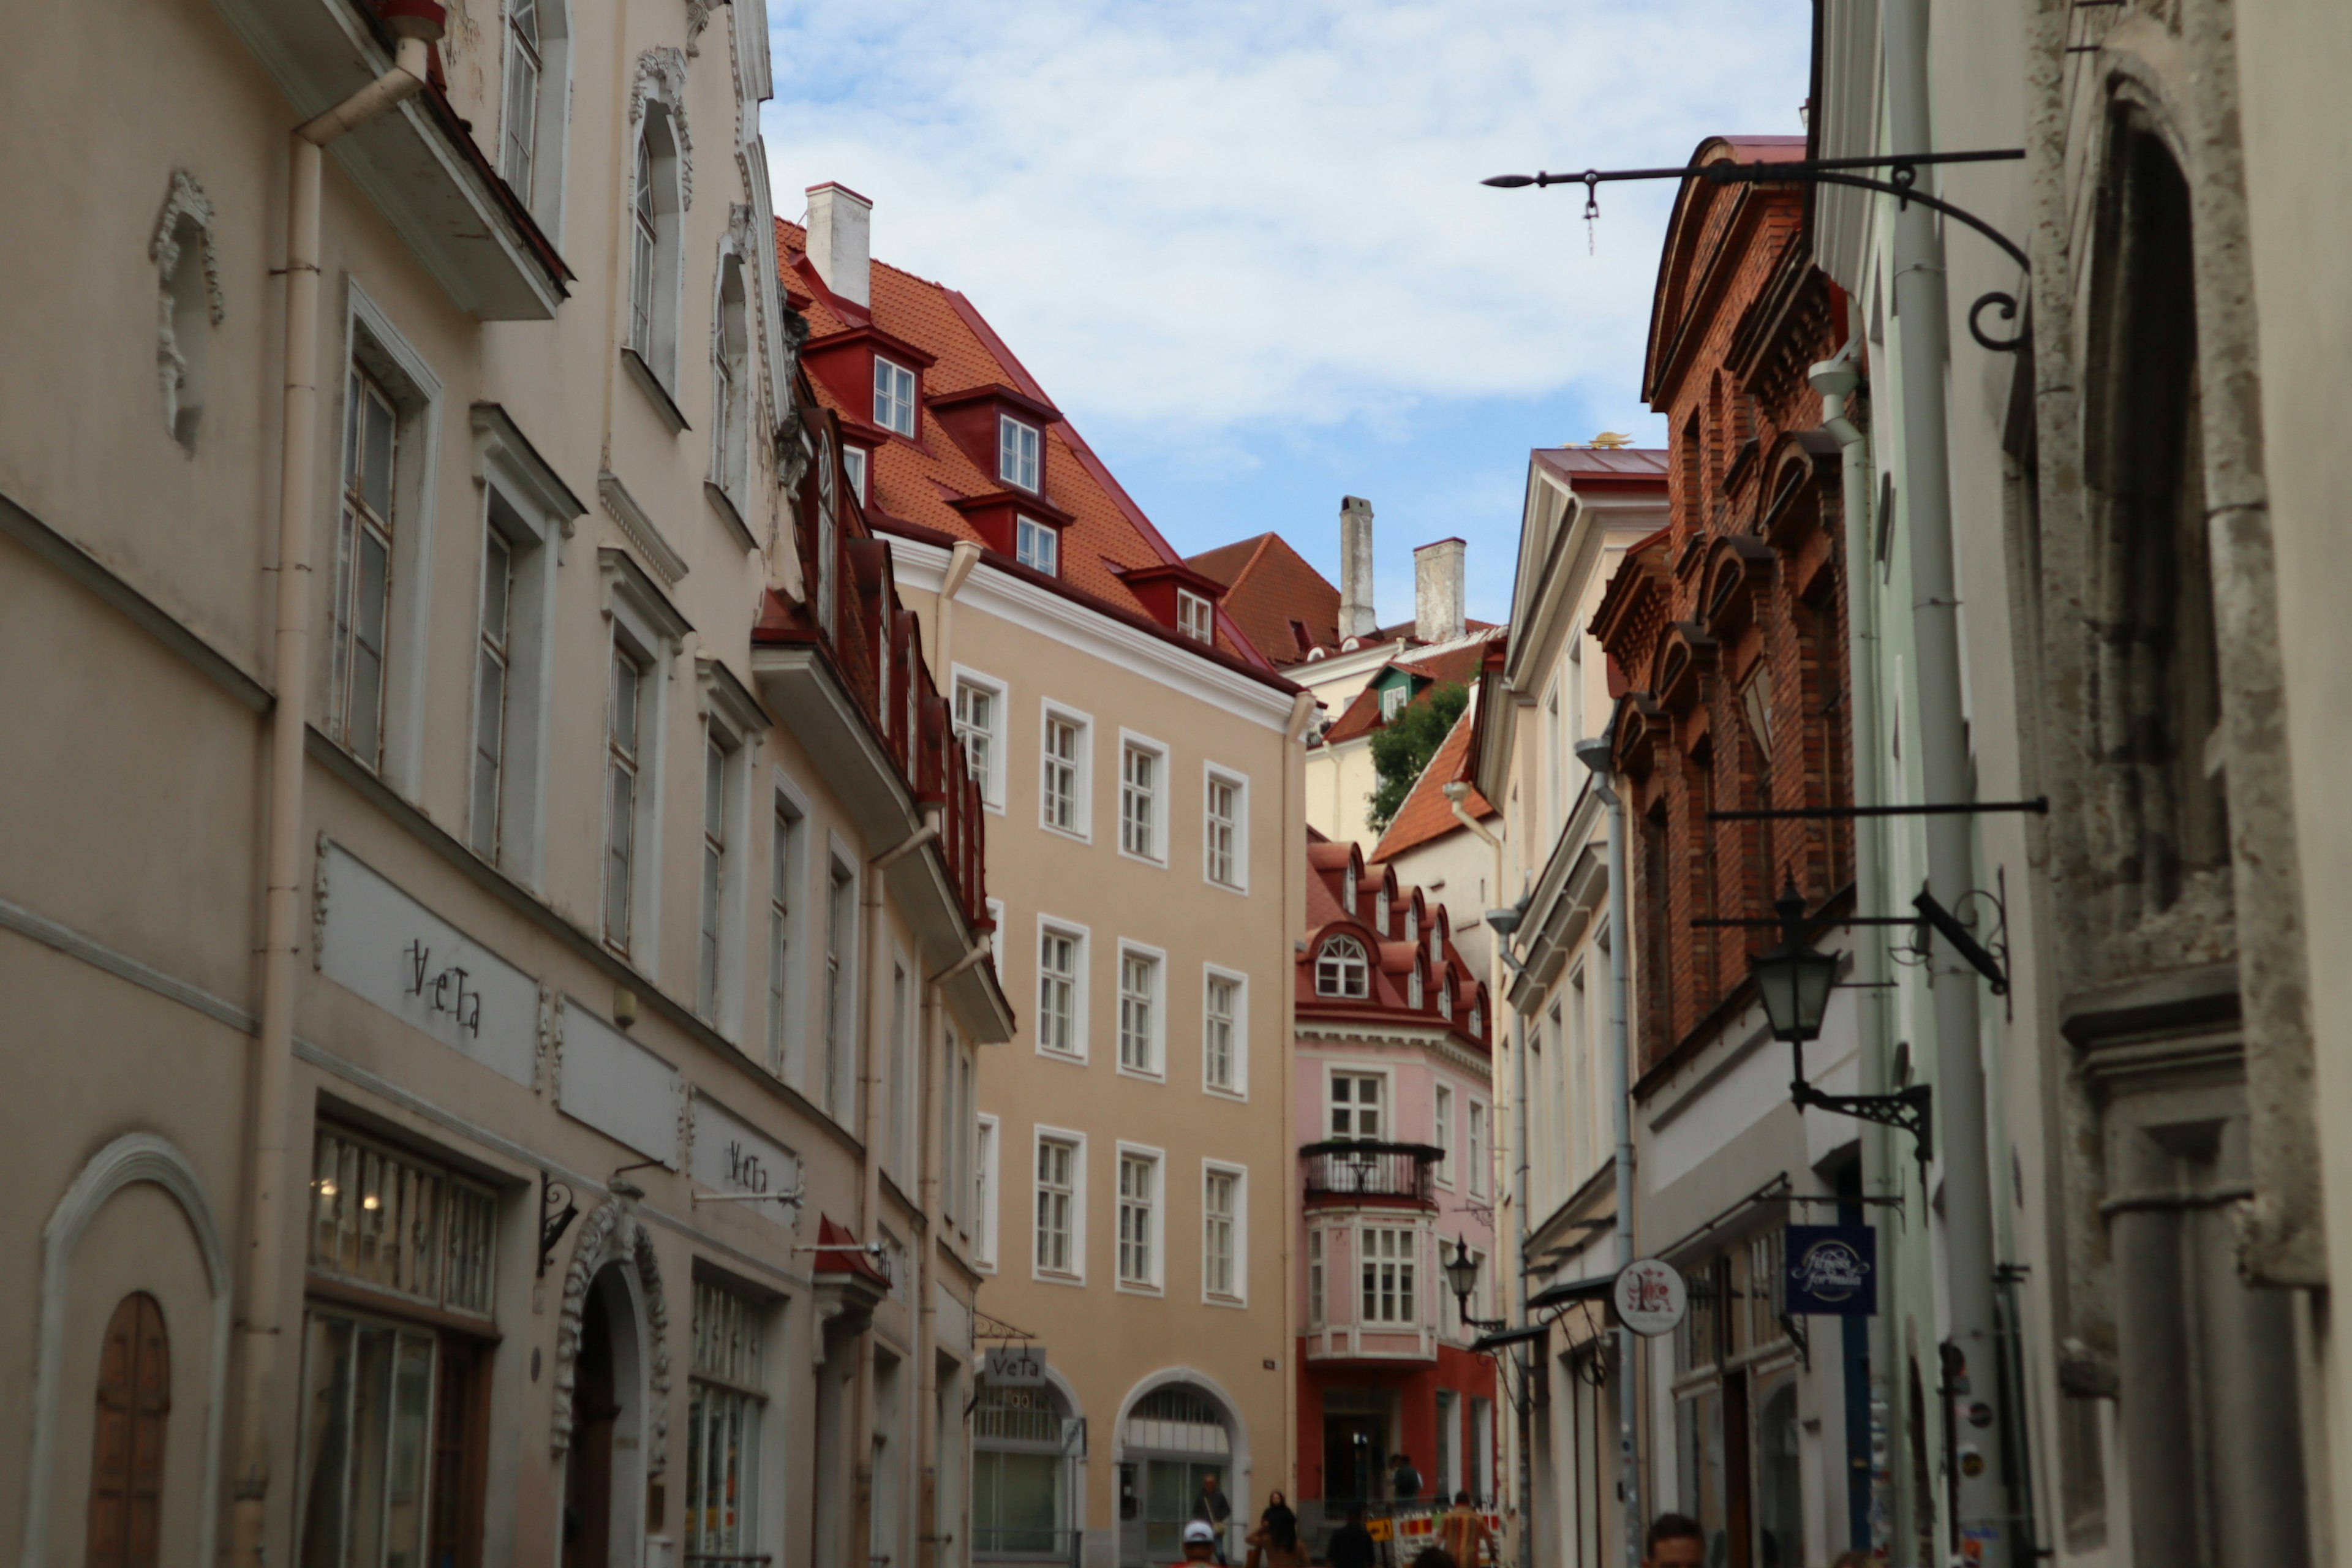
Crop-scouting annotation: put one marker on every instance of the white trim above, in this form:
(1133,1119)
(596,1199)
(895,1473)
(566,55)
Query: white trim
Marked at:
(1239,1089)
(1155,1280)
(1089,631)
(1157,1070)
(788,1060)
(1081,1001)
(1479,1183)
(638,525)
(651,627)
(1239,1486)
(1077,1274)
(1239,1296)
(1048,711)
(1000,734)
(839,853)
(1211,772)
(1442,1112)
(996,938)
(1358,1067)
(134,1157)
(989,1138)
(1163,795)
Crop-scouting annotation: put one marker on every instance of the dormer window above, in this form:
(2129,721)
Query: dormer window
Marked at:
(1392,702)
(853,460)
(1341,970)
(1017,453)
(1193,617)
(893,397)
(1039,547)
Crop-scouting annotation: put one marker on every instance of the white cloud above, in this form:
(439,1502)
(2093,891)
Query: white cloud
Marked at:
(1204,216)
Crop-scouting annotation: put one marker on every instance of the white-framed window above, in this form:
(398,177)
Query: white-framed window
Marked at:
(493,664)
(996,936)
(519,145)
(1060,1238)
(1359,1105)
(645,634)
(625,738)
(901,1132)
(531,121)
(1065,772)
(1139,1218)
(731,390)
(1412,923)
(1555,763)
(1224,1031)
(1476,1149)
(1017,453)
(1386,1254)
(1142,798)
(894,397)
(1224,1234)
(979,716)
(657,197)
(727,1405)
(715,847)
(1413,988)
(1225,830)
(1442,1109)
(1038,545)
(784,861)
(983,1200)
(1315,1308)
(1341,970)
(1142,1018)
(840,1031)
(854,462)
(1195,616)
(962,1186)
(371,452)
(731,720)
(1061,990)
(1392,702)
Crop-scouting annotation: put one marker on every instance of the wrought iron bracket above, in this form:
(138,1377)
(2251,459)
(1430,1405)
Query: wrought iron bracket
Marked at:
(1908,1110)
(1903,186)
(556,1212)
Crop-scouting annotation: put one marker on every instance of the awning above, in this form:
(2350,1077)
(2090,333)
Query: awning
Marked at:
(1572,1290)
(1509,1337)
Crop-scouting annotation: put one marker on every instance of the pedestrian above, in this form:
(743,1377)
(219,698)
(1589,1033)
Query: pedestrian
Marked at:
(1433,1557)
(1674,1541)
(1462,1531)
(1350,1545)
(1200,1541)
(1404,1481)
(1275,1542)
(1213,1509)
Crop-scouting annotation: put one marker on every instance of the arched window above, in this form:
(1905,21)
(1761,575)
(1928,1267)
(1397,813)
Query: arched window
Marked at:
(1023,1466)
(1340,970)
(730,397)
(1413,986)
(654,199)
(188,275)
(126,1465)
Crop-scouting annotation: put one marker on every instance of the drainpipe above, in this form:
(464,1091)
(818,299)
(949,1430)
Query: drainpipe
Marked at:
(416,25)
(961,560)
(1984,1520)
(932,1121)
(1596,756)
(1838,381)
(1505,923)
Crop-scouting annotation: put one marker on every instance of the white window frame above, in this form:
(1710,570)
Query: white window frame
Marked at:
(1196,617)
(1027,532)
(898,1138)
(1404,1290)
(1082,807)
(1332,1072)
(1362,956)
(753,1399)
(656,274)
(1155,1034)
(1153,1280)
(787,993)
(988,1195)
(996,938)
(1238,1297)
(1081,939)
(548,136)
(1076,1274)
(999,733)
(733,393)
(1478,1142)
(1393,700)
(835,1091)
(895,397)
(733,719)
(1154,850)
(1441,1102)
(1023,445)
(1318,1275)
(854,462)
(1212,776)
(643,622)
(1238,1088)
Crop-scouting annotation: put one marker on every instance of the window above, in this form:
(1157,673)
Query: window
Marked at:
(392,1223)
(1057,1175)
(1388,1283)
(363,604)
(714,873)
(979,723)
(1020,1474)
(1138,1011)
(894,397)
(1314,1278)
(726,1405)
(1412,923)
(1195,617)
(1140,767)
(1016,453)
(853,463)
(1356,1102)
(963,1141)
(841,911)
(1221,1032)
(1340,970)
(493,656)
(730,387)
(1221,1222)
(1227,832)
(1477,1150)
(1139,1207)
(1412,987)
(519,145)
(126,1462)
(1037,546)
(1064,780)
(983,1201)
(783,864)
(1449,1442)
(621,766)
(1060,1022)
(644,241)
(1445,1129)
(902,1075)
(1392,702)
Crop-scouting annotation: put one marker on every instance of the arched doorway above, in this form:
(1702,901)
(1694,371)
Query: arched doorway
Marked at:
(612,1388)
(1176,1437)
(597,1413)
(1026,1449)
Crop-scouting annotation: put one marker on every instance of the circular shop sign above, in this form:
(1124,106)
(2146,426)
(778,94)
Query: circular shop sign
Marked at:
(1650,1297)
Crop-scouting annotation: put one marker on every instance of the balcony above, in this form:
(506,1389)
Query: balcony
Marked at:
(1344,1172)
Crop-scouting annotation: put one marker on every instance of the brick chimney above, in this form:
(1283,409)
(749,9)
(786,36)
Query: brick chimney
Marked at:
(1355,617)
(840,240)
(1437,591)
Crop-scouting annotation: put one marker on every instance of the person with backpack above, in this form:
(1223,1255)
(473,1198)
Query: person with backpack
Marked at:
(1404,1481)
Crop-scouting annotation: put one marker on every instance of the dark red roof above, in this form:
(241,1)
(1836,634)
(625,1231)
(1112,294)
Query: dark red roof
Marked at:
(1282,605)
(1456,665)
(1452,995)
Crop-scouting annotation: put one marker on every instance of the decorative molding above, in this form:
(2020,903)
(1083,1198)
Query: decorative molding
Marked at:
(132,1158)
(500,447)
(612,1235)
(661,78)
(318,901)
(697,16)
(546,1068)
(184,201)
(638,525)
(685,1123)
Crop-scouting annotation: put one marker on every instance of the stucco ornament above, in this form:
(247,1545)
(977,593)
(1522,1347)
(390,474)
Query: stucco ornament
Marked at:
(661,78)
(612,1235)
(183,204)
(697,16)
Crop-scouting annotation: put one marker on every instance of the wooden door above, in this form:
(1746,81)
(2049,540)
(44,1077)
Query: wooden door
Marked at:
(126,1471)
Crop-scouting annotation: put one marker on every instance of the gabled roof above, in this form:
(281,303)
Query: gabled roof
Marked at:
(1455,664)
(1426,813)
(1281,603)
(1453,996)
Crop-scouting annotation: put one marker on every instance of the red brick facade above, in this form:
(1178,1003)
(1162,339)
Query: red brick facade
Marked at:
(1727,627)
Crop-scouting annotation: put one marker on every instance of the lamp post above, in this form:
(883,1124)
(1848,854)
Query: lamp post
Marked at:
(1461,1278)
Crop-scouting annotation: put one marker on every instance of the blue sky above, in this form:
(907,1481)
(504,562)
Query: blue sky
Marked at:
(1244,245)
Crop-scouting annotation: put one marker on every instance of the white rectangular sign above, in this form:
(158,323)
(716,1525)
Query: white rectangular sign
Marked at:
(618,1087)
(379,942)
(730,1155)
(1016,1366)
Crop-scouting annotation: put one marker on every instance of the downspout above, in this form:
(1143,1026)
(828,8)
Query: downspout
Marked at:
(1302,708)
(1520,1308)
(933,1124)
(1983,1515)
(416,25)
(961,560)
(1839,381)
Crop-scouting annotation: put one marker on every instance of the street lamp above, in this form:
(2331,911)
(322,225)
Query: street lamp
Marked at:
(1461,1278)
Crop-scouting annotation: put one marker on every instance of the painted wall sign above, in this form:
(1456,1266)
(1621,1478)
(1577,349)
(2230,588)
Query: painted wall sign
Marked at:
(1833,1270)
(730,1155)
(1650,1297)
(1016,1366)
(619,1087)
(375,941)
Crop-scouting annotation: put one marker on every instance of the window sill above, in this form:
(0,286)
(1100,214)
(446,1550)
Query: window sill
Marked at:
(1045,1277)
(724,505)
(1072,834)
(1157,862)
(1237,1302)
(651,385)
(1074,1058)
(1148,1074)
(1136,1288)
(1220,1091)
(1239,889)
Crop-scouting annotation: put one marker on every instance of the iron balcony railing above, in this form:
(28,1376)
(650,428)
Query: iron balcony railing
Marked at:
(1346,1170)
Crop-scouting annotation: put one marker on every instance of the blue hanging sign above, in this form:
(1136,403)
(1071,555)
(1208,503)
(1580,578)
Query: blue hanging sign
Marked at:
(1833,1270)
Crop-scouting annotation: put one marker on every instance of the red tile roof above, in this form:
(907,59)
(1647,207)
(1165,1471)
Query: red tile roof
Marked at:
(1283,605)
(1455,665)
(1453,997)
(1426,813)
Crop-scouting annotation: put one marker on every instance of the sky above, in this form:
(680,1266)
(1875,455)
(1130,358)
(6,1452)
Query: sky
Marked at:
(1243,245)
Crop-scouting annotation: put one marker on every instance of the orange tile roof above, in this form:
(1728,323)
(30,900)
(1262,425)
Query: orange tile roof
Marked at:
(1453,666)
(1426,813)
(1281,602)
(914,482)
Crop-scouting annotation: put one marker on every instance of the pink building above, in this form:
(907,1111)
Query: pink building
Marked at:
(1395,1125)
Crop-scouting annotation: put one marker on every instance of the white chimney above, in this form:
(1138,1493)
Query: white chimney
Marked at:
(1437,591)
(1355,617)
(840,240)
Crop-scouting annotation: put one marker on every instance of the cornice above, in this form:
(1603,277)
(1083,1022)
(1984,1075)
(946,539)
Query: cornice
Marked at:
(1439,1041)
